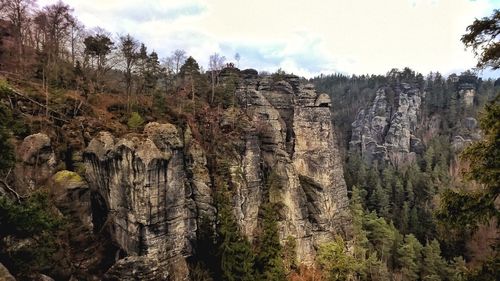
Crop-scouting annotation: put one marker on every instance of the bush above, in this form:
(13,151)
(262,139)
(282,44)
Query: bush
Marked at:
(135,121)
(32,227)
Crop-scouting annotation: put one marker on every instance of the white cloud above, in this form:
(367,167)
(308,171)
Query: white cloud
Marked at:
(304,37)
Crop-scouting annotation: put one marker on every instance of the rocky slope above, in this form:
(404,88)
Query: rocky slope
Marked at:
(156,186)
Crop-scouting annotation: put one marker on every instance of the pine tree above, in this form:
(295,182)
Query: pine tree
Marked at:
(235,253)
(397,203)
(376,270)
(360,239)
(269,257)
(190,72)
(152,72)
(471,208)
(429,159)
(410,194)
(380,201)
(380,234)
(336,261)
(414,224)
(433,265)
(409,258)
(405,218)
(457,270)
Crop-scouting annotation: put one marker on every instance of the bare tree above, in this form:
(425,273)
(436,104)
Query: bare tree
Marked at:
(53,24)
(18,12)
(178,58)
(168,66)
(215,65)
(59,20)
(77,32)
(128,48)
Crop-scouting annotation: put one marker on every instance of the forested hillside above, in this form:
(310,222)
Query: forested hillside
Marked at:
(119,164)
(396,204)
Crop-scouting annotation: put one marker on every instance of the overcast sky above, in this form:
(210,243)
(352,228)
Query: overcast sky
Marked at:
(306,37)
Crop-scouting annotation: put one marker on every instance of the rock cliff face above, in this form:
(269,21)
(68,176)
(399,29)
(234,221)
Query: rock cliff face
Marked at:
(385,131)
(143,182)
(294,146)
(156,186)
(391,129)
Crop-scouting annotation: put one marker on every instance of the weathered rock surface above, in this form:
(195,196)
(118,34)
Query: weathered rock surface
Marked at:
(467,94)
(37,162)
(156,186)
(385,131)
(295,147)
(72,193)
(143,182)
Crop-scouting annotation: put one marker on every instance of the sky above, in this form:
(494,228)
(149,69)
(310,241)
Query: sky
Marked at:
(306,37)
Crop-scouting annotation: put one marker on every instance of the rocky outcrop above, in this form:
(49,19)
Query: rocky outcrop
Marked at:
(36,164)
(385,130)
(294,146)
(467,93)
(156,186)
(468,131)
(72,194)
(142,180)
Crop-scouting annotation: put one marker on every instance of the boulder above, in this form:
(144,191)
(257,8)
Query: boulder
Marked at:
(37,162)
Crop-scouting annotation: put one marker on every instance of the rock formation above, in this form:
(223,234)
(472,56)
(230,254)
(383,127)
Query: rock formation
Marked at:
(142,180)
(467,93)
(295,148)
(156,186)
(37,162)
(385,131)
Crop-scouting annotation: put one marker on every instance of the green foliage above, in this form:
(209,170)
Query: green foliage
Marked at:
(270,257)
(6,148)
(381,235)
(189,68)
(433,266)
(225,92)
(482,37)
(236,257)
(336,262)
(98,46)
(199,273)
(135,121)
(32,219)
(375,269)
(152,72)
(278,75)
(470,208)
(484,156)
(290,254)
(409,258)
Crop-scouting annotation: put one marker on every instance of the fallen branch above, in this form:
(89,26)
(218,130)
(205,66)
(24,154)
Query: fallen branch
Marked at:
(15,92)
(18,197)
